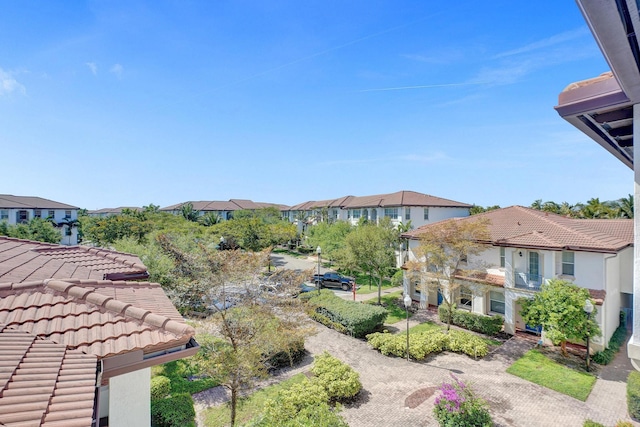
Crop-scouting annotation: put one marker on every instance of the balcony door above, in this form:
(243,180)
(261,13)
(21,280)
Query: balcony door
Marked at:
(534,267)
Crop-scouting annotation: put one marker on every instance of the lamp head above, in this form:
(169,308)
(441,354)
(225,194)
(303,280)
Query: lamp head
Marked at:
(318,250)
(588,306)
(407,300)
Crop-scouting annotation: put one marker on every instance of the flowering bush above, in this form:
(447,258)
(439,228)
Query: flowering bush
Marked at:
(457,406)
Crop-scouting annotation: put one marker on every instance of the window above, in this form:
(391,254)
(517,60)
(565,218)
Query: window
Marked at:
(496,302)
(568,263)
(534,265)
(22,217)
(502,257)
(335,213)
(37,213)
(4,214)
(365,213)
(52,214)
(67,214)
(391,212)
(466,298)
(426,214)
(407,214)
(355,214)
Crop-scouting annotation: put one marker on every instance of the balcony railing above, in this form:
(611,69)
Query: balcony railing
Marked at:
(528,281)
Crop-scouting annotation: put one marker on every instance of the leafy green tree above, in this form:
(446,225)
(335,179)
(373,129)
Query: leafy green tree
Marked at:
(210,218)
(625,207)
(444,248)
(68,224)
(475,209)
(371,247)
(558,308)
(37,229)
(331,237)
(254,323)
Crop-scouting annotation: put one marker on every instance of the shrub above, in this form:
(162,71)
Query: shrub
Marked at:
(174,411)
(160,387)
(488,325)
(618,338)
(327,322)
(469,344)
(288,403)
(422,344)
(338,379)
(358,319)
(288,356)
(633,394)
(457,406)
(591,423)
(624,424)
(397,278)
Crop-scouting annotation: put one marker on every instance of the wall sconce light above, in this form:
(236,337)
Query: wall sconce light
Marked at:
(520,253)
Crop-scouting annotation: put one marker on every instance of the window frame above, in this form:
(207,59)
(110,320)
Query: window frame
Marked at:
(465,291)
(426,214)
(492,300)
(391,213)
(503,257)
(567,263)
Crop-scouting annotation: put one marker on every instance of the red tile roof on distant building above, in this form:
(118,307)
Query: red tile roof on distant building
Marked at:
(231,205)
(517,226)
(399,198)
(9,201)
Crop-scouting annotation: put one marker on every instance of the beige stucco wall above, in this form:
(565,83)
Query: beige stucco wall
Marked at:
(129,399)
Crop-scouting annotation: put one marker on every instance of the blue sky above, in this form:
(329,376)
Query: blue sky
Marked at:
(126,103)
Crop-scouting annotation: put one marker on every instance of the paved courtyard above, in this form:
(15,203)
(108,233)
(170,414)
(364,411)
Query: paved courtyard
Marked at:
(401,393)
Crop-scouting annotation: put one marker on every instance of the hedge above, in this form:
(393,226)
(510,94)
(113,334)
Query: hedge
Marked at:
(618,338)
(488,325)
(174,411)
(633,394)
(357,319)
(289,356)
(422,344)
(160,387)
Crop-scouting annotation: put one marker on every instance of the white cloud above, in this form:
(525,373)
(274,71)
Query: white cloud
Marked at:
(93,67)
(548,42)
(117,69)
(9,84)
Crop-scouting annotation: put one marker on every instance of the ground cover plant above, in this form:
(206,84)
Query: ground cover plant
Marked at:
(633,394)
(539,369)
(488,325)
(618,338)
(458,406)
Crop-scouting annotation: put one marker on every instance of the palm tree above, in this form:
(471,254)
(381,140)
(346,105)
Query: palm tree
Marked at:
(626,206)
(69,224)
(210,218)
(189,213)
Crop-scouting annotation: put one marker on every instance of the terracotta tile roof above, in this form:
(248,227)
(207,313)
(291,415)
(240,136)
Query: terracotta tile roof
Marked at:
(8,201)
(340,202)
(43,383)
(26,260)
(103,317)
(403,198)
(481,277)
(114,211)
(517,226)
(231,205)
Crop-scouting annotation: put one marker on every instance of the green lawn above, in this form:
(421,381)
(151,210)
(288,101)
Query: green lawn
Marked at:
(248,408)
(539,369)
(394,306)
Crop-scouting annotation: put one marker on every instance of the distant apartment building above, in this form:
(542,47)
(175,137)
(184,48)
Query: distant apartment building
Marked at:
(224,209)
(21,209)
(105,212)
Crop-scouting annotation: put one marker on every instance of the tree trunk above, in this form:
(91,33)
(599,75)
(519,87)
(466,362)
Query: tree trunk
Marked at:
(563,348)
(234,402)
(450,316)
(380,289)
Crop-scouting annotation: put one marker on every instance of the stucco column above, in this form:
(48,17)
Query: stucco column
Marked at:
(633,348)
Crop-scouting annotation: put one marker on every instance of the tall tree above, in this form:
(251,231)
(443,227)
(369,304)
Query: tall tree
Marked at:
(248,322)
(444,248)
(189,213)
(371,247)
(558,308)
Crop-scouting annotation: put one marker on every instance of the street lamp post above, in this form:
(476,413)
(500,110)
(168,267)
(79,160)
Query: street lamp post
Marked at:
(407,304)
(318,251)
(588,309)
(221,243)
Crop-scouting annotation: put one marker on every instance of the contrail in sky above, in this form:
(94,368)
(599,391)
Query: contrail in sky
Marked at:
(420,87)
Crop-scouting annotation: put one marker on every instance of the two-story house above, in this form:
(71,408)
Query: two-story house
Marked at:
(400,207)
(528,247)
(21,209)
(224,209)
